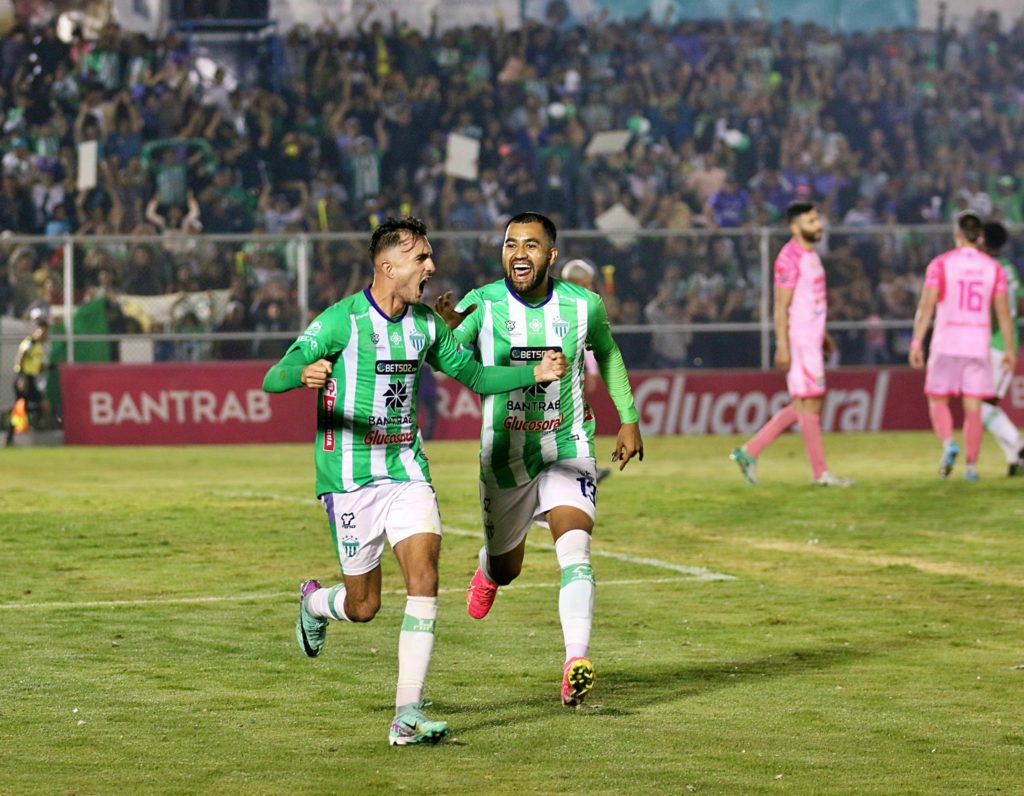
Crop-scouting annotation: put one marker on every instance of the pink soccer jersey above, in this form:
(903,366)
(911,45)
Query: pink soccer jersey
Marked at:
(802,272)
(966,280)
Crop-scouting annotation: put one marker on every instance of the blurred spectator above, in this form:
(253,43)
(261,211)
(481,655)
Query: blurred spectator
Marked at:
(729,121)
(145,272)
(234,321)
(727,207)
(30,366)
(669,349)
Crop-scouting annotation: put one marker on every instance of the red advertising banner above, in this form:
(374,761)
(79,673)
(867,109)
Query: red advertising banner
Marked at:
(222,402)
(181,404)
(739,402)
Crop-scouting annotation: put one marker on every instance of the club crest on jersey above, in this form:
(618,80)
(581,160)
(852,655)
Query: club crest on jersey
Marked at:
(560,327)
(536,325)
(417,339)
(309,336)
(510,326)
(350,545)
(395,395)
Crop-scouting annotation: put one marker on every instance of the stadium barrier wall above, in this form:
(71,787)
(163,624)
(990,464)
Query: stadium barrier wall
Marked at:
(181,404)
(222,402)
(691,402)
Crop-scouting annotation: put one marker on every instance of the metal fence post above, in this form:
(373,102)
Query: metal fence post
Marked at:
(302,268)
(69,297)
(766,315)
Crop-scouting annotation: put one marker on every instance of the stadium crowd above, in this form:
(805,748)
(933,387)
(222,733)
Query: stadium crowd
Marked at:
(730,121)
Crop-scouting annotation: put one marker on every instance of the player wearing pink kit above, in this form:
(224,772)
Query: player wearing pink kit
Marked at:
(961,289)
(802,343)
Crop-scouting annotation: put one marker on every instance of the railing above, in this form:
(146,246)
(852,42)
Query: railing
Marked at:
(174,297)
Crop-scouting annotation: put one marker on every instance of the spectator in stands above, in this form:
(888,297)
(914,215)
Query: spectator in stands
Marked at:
(145,272)
(872,129)
(728,206)
(234,321)
(669,348)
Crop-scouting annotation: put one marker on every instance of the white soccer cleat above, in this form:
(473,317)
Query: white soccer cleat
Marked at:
(831,479)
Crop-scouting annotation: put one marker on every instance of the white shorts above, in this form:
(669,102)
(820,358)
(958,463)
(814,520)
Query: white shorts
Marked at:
(361,520)
(509,513)
(1001,379)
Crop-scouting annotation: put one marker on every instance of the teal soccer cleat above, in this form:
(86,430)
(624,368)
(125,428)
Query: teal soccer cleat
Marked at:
(747,465)
(310,632)
(410,726)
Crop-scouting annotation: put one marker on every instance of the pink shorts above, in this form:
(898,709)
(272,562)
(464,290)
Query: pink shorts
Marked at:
(951,375)
(806,376)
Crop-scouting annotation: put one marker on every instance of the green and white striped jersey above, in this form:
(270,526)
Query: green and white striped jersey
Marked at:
(1012,294)
(527,429)
(366,413)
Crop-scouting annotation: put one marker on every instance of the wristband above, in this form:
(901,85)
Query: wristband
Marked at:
(915,345)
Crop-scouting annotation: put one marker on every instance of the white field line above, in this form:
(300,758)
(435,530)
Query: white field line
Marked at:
(691,573)
(281,595)
(696,573)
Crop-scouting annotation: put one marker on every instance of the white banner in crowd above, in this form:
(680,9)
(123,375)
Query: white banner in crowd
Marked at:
(139,16)
(149,16)
(960,13)
(345,14)
(843,15)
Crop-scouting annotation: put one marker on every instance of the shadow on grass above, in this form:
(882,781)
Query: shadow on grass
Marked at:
(624,690)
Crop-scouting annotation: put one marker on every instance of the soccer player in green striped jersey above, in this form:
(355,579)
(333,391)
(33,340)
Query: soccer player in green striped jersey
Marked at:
(992,416)
(537,444)
(363,357)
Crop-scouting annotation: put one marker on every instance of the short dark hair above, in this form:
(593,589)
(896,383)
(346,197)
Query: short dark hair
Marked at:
(797,209)
(389,233)
(530,217)
(995,235)
(969,224)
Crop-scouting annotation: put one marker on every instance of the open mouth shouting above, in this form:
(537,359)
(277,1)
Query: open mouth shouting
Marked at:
(526,257)
(422,286)
(522,272)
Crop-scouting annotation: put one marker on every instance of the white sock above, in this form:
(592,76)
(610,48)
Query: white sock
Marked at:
(482,557)
(328,603)
(415,646)
(1003,429)
(576,597)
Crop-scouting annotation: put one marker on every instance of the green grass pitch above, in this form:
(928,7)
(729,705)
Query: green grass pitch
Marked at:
(865,641)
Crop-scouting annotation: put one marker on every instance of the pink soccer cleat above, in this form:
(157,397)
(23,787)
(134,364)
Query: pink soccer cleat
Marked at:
(577,681)
(480,595)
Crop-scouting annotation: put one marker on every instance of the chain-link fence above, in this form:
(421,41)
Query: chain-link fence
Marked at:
(676,298)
